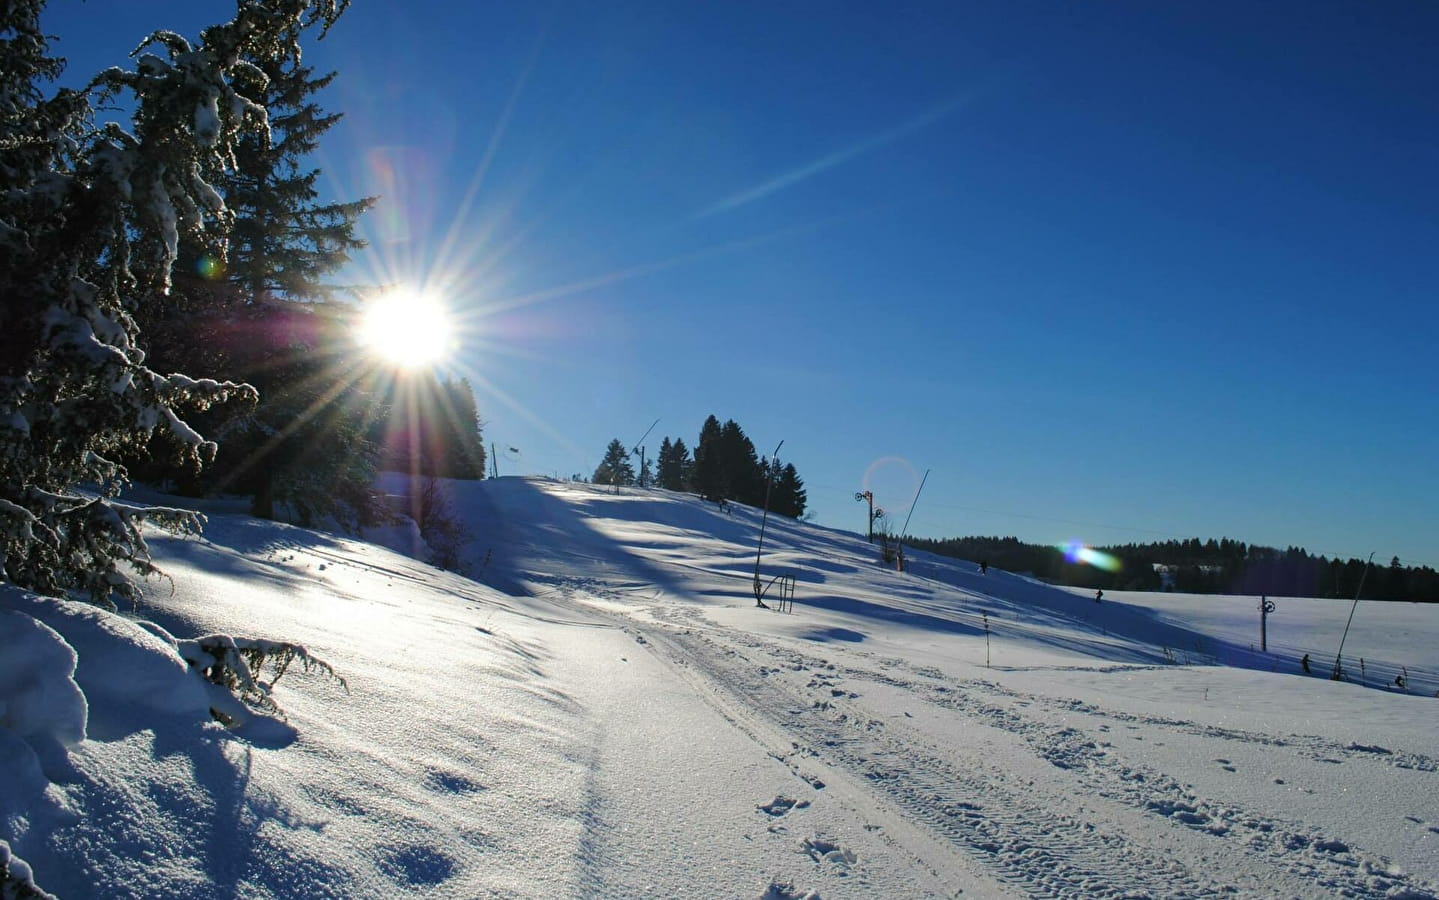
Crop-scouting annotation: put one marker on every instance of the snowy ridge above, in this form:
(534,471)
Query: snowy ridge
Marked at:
(606,714)
(677,539)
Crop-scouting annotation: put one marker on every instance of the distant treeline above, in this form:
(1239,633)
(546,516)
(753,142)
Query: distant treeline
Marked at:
(1201,567)
(725,466)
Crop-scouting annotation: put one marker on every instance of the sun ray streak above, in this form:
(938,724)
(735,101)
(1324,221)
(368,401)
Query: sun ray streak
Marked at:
(479,381)
(452,236)
(838,157)
(343,381)
(642,269)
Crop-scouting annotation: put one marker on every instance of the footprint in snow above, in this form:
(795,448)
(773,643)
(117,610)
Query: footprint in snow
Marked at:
(786,890)
(781,805)
(821,851)
(451,783)
(414,865)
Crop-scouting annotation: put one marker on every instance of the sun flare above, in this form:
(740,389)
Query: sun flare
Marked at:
(407,328)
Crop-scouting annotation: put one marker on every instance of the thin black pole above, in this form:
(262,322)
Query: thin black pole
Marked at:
(904,532)
(646,434)
(768,482)
(1266,606)
(1340,655)
(639,447)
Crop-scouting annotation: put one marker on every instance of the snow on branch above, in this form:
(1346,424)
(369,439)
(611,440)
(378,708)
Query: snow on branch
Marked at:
(238,664)
(90,226)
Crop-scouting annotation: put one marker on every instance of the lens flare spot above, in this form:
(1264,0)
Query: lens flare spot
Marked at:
(893,481)
(1076,552)
(210,268)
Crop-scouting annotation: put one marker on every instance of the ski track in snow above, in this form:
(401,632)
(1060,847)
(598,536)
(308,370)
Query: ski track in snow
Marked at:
(1086,829)
(973,807)
(792,757)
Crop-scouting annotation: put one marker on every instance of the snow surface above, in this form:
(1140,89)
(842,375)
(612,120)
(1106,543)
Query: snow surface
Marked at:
(604,712)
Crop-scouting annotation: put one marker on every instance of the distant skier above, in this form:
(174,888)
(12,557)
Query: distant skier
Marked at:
(1098,596)
(984,567)
(1399,682)
(1304,664)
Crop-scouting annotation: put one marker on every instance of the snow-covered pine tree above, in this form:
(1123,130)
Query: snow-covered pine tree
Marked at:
(285,241)
(90,220)
(270,317)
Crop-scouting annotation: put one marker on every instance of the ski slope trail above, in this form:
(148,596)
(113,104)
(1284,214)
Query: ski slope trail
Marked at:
(602,710)
(1006,783)
(1055,814)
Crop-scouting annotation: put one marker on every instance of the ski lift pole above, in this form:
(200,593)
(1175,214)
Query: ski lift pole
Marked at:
(904,532)
(986,638)
(1266,606)
(639,447)
(764,519)
(868,495)
(1342,638)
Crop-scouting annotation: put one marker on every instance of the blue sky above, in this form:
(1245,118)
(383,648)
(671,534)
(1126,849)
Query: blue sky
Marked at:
(1111,271)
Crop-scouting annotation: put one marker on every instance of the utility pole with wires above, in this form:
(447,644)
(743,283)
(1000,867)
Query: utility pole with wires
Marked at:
(1266,606)
(868,495)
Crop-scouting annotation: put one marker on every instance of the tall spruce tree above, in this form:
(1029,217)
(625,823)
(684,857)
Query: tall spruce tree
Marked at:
(674,465)
(744,473)
(788,497)
(285,241)
(90,225)
(432,428)
(665,474)
(464,430)
(268,314)
(710,477)
(615,468)
(685,466)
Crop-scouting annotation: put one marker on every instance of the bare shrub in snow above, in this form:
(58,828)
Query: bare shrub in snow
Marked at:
(441,529)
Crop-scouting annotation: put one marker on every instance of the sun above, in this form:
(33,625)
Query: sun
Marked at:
(407,328)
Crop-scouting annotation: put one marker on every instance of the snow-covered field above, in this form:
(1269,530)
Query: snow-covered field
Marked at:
(607,714)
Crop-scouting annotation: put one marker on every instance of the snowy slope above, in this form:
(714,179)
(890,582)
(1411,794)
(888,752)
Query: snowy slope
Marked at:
(609,715)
